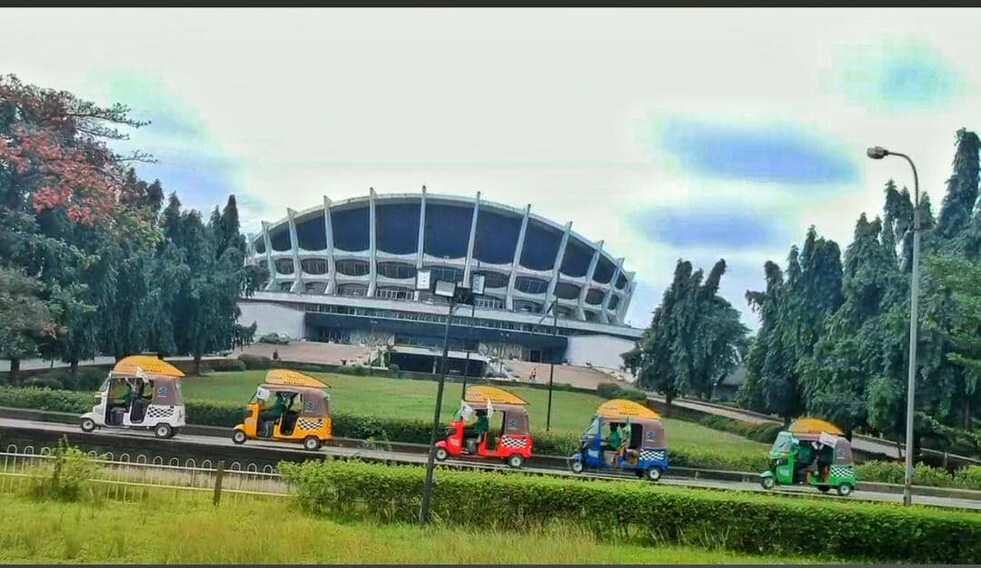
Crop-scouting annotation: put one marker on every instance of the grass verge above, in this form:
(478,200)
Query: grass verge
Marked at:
(264,531)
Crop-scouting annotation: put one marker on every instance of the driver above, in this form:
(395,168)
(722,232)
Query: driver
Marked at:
(271,415)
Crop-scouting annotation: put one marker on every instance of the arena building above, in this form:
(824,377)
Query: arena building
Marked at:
(345,272)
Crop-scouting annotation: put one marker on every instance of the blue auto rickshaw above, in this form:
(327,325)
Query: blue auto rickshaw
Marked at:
(643,448)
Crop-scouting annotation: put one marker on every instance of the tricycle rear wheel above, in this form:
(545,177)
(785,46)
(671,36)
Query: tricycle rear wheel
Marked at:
(845,489)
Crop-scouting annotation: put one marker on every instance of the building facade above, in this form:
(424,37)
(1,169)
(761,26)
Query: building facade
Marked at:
(338,267)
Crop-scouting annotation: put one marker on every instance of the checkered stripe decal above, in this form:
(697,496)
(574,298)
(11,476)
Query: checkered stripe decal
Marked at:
(652,455)
(310,423)
(514,442)
(159,412)
(842,471)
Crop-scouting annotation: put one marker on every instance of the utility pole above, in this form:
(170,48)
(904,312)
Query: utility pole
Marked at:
(551,359)
(427,491)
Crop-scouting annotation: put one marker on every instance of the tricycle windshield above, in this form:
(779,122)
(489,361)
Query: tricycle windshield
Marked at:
(783,444)
(105,385)
(593,430)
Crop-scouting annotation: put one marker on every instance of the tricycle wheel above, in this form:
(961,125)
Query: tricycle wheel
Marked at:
(823,488)
(87,425)
(441,454)
(654,474)
(767,483)
(163,430)
(311,443)
(845,489)
(576,466)
(238,437)
(516,461)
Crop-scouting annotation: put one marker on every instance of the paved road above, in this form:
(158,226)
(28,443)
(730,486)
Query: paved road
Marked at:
(415,458)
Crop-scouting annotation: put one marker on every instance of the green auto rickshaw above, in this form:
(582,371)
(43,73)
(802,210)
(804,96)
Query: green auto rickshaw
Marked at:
(811,452)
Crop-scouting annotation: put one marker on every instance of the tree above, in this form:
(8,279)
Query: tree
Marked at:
(695,338)
(962,187)
(27,320)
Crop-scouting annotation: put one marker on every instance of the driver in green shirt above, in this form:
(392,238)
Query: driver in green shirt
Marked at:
(482,426)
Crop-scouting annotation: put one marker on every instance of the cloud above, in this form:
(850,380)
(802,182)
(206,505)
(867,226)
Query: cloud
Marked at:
(898,75)
(757,153)
(720,228)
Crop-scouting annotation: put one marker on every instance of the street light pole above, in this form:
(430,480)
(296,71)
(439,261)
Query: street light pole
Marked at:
(427,492)
(877,153)
(551,364)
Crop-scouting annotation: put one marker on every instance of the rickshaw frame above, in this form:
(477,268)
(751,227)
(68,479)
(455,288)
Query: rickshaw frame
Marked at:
(649,459)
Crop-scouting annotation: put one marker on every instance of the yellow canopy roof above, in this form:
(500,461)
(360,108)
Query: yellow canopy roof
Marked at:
(483,393)
(620,408)
(289,378)
(146,364)
(814,426)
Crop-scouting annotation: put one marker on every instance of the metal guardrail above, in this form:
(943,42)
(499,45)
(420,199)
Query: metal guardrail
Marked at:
(122,478)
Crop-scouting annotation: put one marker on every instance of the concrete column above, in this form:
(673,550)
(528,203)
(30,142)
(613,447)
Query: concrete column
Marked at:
(580,312)
(516,261)
(611,290)
(628,294)
(550,296)
(421,242)
(329,230)
(373,271)
(295,247)
(269,261)
(471,242)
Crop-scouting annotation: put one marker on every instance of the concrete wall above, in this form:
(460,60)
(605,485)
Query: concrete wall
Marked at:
(272,318)
(597,350)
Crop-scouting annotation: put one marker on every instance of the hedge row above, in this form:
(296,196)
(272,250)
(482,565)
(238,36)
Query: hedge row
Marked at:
(923,474)
(643,513)
(761,432)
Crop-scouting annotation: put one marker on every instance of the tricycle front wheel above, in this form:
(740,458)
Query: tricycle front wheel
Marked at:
(767,483)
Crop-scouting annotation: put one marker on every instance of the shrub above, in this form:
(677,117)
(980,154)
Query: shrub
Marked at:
(224,365)
(923,474)
(394,371)
(255,362)
(613,390)
(765,432)
(44,399)
(641,512)
(359,370)
(49,380)
(65,477)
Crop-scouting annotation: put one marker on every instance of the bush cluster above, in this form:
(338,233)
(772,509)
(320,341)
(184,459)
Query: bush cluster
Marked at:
(639,512)
(86,379)
(923,474)
(613,390)
(255,362)
(762,432)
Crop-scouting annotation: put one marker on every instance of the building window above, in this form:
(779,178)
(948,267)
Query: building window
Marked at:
(594,297)
(314,287)
(285,286)
(445,273)
(352,290)
(284,266)
(490,303)
(527,307)
(314,266)
(494,279)
(353,267)
(397,294)
(530,285)
(567,291)
(398,270)
(614,302)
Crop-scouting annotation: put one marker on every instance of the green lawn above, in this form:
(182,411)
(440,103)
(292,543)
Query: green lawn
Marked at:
(263,532)
(384,397)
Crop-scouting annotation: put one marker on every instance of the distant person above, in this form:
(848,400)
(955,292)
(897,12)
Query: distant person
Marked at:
(534,374)
(275,354)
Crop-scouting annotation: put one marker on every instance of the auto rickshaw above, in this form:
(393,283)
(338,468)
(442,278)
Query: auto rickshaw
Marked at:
(643,449)
(140,392)
(512,441)
(288,407)
(811,452)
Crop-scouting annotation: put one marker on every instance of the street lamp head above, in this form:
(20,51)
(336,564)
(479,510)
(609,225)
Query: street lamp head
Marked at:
(877,152)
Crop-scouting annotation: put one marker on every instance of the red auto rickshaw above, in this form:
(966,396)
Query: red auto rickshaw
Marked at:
(507,436)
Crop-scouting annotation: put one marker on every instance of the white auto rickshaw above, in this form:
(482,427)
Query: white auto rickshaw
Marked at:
(141,392)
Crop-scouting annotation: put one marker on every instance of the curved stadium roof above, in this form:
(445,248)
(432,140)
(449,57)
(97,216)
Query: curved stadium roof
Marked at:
(371,246)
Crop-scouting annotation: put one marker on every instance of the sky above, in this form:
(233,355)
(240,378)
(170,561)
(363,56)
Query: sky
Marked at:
(667,133)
